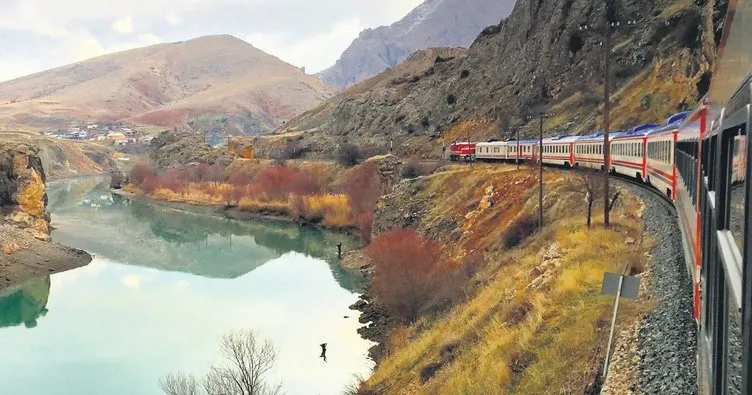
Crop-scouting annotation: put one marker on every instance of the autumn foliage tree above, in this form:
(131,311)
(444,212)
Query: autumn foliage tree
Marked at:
(363,187)
(139,173)
(279,181)
(409,276)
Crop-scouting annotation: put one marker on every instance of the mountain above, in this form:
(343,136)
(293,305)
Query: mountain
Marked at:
(215,83)
(537,59)
(435,23)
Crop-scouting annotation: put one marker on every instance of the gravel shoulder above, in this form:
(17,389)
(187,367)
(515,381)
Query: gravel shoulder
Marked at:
(658,354)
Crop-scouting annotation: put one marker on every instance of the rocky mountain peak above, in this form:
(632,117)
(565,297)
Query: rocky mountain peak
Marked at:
(536,59)
(434,23)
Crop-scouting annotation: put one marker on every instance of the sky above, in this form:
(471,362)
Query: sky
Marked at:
(36,35)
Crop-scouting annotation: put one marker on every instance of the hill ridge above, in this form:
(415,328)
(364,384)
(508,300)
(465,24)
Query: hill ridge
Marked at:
(219,82)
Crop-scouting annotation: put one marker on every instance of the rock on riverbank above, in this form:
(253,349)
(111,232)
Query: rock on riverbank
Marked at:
(26,249)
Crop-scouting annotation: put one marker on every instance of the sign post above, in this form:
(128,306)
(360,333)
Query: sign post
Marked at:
(621,286)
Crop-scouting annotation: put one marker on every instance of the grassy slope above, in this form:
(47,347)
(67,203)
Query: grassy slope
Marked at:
(511,337)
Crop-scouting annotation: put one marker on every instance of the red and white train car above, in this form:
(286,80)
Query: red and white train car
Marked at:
(559,151)
(628,152)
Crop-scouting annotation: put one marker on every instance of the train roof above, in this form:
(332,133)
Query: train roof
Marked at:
(563,139)
(496,143)
(638,131)
(598,136)
(678,118)
(673,123)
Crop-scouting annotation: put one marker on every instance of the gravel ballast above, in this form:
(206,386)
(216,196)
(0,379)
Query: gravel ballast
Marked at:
(667,343)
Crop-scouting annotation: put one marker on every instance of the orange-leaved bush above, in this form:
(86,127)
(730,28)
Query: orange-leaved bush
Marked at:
(363,186)
(409,275)
(280,181)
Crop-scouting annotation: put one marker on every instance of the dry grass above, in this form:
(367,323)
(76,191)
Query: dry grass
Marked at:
(334,210)
(517,333)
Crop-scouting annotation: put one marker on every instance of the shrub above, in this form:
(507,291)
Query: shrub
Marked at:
(365,226)
(348,155)
(139,173)
(412,170)
(409,275)
(451,99)
(240,178)
(293,150)
(363,186)
(281,181)
(149,184)
(330,209)
(520,230)
(464,74)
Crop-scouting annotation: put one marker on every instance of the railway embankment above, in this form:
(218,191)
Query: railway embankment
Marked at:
(529,317)
(657,353)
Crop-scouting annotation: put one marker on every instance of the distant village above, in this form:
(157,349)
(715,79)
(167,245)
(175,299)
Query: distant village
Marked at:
(117,134)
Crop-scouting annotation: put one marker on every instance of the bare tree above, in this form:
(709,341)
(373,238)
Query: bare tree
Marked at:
(246,363)
(180,384)
(588,183)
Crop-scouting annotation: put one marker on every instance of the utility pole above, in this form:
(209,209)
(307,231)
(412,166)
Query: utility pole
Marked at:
(517,130)
(518,149)
(606,35)
(540,174)
(607,126)
(540,117)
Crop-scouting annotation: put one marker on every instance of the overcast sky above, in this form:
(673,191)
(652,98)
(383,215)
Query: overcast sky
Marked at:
(36,35)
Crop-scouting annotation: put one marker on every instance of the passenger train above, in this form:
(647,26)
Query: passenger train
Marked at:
(701,165)
(644,152)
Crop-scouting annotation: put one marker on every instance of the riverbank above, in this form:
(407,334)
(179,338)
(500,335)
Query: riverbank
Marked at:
(24,258)
(227,212)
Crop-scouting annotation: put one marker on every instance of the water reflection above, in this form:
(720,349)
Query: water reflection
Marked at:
(24,304)
(87,216)
(162,289)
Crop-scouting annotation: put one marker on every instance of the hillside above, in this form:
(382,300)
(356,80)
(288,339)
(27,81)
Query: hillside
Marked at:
(535,59)
(316,125)
(215,83)
(435,23)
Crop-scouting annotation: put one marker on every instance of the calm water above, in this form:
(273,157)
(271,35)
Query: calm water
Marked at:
(163,287)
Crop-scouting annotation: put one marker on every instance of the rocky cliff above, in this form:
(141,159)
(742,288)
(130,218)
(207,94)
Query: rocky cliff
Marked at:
(537,59)
(26,250)
(434,23)
(178,147)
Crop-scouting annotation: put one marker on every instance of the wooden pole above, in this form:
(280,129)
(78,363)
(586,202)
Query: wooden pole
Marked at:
(540,175)
(606,127)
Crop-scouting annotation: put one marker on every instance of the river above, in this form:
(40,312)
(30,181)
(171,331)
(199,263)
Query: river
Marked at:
(163,287)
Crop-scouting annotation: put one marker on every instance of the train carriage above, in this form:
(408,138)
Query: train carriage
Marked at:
(494,150)
(528,150)
(628,152)
(559,150)
(588,151)
(660,155)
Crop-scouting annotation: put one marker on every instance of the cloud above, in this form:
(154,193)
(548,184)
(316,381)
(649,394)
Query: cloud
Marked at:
(123,25)
(316,52)
(132,281)
(173,19)
(51,33)
(180,286)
